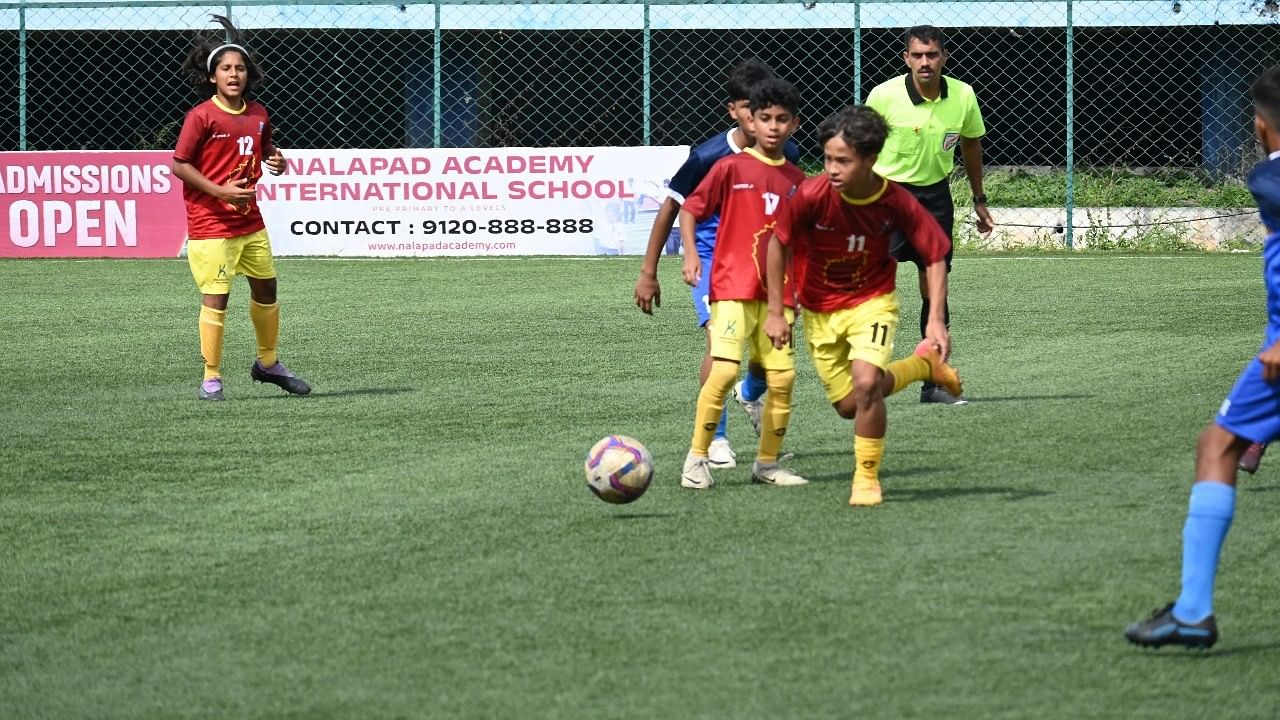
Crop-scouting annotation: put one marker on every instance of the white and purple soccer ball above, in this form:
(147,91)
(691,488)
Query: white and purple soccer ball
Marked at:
(618,469)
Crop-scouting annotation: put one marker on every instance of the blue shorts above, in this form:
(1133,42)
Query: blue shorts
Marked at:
(1252,408)
(702,292)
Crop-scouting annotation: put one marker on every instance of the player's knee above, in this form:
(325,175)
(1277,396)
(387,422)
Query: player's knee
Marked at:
(263,290)
(722,374)
(1217,443)
(780,381)
(867,390)
(847,406)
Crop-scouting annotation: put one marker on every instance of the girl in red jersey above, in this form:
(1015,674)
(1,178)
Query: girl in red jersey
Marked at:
(221,149)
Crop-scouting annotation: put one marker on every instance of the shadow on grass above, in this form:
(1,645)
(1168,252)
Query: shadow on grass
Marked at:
(887,475)
(1011,398)
(643,515)
(1265,488)
(1007,493)
(348,392)
(1184,655)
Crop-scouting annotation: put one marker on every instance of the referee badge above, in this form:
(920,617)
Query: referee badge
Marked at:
(949,140)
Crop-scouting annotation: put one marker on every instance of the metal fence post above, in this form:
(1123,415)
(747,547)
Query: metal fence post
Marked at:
(648,78)
(22,76)
(857,52)
(1069,230)
(436,103)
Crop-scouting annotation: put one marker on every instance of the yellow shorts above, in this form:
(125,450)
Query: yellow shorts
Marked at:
(215,262)
(735,323)
(838,338)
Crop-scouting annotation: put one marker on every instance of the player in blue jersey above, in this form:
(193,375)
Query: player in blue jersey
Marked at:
(1250,414)
(749,393)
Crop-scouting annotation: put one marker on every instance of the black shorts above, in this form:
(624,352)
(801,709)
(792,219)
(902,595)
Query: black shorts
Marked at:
(935,198)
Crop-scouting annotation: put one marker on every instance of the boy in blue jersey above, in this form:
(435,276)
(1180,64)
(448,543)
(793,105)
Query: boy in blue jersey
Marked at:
(749,392)
(1250,414)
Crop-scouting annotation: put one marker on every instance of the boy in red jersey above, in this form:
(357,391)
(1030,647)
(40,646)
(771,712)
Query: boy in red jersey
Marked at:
(219,158)
(748,191)
(837,230)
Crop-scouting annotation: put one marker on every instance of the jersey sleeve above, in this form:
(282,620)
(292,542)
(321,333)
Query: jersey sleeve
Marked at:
(973,126)
(708,196)
(875,100)
(268,141)
(191,137)
(795,215)
(688,177)
(922,230)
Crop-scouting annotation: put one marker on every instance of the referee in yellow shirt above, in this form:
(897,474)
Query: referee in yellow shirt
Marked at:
(929,115)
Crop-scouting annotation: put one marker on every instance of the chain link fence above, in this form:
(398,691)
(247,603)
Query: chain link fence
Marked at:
(1115,84)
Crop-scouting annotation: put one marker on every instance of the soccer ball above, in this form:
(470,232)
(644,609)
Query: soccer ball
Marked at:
(618,469)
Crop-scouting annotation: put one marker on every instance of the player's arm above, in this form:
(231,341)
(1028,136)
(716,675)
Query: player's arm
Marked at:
(1270,359)
(971,148)
(691,269)
(272,157)
(702,203)
(233,193)
(648,289)
(775,323)
(935,329)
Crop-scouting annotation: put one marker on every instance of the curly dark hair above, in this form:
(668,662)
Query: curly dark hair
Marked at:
(208,51)
(775,91)
(745,75)
(859,126)
(926,34)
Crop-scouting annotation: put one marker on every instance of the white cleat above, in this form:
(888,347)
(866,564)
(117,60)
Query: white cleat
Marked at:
(774,474)
(754,410)
(721,455)
(697,473)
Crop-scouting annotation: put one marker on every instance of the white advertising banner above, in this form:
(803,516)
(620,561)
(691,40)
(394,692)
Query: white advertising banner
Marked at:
(506,201)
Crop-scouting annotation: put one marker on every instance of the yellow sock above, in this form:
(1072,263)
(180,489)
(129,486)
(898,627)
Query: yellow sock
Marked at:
(711,404)
(211,329)
(867,454)
(776,414)
(908,370)
(266,325)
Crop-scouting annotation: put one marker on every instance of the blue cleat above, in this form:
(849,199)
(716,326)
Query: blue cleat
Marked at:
(1162,628)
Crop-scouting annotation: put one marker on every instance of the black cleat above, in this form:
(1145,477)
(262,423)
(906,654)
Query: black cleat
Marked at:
(279,375)
(1162,628)
(931,393)
(1252,457)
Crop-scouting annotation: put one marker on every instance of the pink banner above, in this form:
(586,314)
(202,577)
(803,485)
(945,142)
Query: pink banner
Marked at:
(91,204)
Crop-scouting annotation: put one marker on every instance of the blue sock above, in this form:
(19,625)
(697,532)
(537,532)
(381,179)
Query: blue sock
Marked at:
(1208,519)
(753,387)
(721,430)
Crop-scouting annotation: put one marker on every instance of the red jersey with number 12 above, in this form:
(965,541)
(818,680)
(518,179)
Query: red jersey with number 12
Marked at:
(840,246)
(223,146)
(749,191)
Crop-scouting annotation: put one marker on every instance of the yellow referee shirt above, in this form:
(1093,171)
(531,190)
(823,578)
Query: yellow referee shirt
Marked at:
(923,133)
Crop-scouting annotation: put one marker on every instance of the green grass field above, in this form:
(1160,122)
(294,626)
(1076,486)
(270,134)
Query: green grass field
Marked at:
(415,539)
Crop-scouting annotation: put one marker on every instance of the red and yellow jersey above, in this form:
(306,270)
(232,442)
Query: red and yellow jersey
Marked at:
(223,145)
(749,191)
(840,245)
